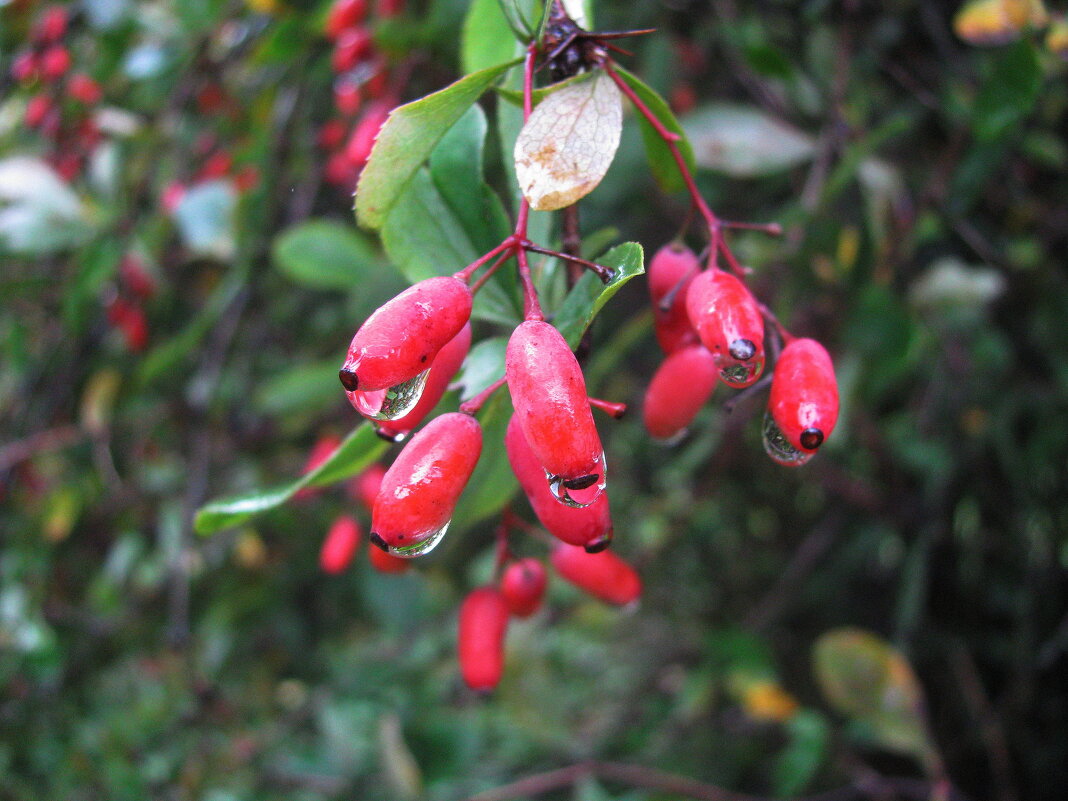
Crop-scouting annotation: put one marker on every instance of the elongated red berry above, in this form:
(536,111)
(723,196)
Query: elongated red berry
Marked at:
(52,25)
(347,97)
(588,526)
(37,108)
(483,623)
(364,487)
(549,396)
(84,89)
(729,323)
(671,270)
(679,389)
(420,490)
(24,67)
(341,543)
(804,394)
(322,450)
(55,62)
(523,586)
(362,141)
(353,45)
(386,562)
(603,575)
(442,370)
(401,339)
(344,14)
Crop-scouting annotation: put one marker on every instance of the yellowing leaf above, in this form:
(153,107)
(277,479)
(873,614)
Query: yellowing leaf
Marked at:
(994,22)
(1057,38)
(567,145)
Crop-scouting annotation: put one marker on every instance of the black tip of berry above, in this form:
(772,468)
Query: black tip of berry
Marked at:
(348,379)
(742,349)
(600,543)
(811,438)
(377,540)
(581,482)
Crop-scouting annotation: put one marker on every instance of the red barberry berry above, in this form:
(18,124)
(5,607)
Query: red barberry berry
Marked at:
(386,562)
(340,546)
(603,575)
(679,389)
(340,172)
(362,141)
(442,369)
(135,276)
(389,8)
(172,196)
(344,14)
(347,96)
(671,270)
(523,586)
(37,108)
(803,406)
(55,62)
(589,526)
(217,165)
(549,396)
(134,327)
(401,338)
(84,89)
(419,491)
(51,26)
(322,450)
(729,323)
(24,67)
(331,135)
(352,47)
(483,624)
(364,487)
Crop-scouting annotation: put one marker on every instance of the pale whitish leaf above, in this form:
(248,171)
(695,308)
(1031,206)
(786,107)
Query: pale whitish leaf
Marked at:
(567,145)
(951,282)
(39,213)
(744,142)
(205,219)
(576,9)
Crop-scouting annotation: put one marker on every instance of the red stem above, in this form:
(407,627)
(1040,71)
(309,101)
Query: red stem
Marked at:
(489,273)
(466,273)
(475,404)
(616,410)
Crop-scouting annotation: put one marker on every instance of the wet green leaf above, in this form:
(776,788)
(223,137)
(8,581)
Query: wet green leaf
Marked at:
(324,255)
(589,295)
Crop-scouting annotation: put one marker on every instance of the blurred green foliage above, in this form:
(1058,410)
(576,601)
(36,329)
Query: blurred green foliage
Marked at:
(920,181)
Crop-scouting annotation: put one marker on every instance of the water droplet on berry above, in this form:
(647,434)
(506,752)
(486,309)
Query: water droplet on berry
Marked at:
(741,374)
(424,543)
(778,447)
(389,435)
(393,402)
(579,491)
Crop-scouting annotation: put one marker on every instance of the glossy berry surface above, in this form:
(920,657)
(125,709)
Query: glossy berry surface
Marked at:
(804,394)
(444,367)
(603,575)
(729,323)
(678,390)
(549,396)
(483,623)
(402,337)
(588,525)
(344,14)
(420,489)
(671,270)
(523,586)
(340,546)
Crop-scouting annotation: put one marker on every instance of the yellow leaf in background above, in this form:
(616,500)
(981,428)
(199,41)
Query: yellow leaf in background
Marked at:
(98,400)
(767,701)
(264,6)
(1057,37)
(995,22)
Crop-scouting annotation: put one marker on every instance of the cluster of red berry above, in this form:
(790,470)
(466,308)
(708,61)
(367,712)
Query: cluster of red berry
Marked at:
(60,107)
(364,93)
(710,327)
(125,308)
(214,162)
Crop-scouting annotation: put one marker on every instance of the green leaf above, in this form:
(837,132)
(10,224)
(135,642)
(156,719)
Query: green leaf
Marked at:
(661,162)
(324,255)
(798,762)
(299,389)
(487,37)
(1009,93)
(589,295)
(483,365)
(867,679)
(359,449)
(493,484)
(407,139)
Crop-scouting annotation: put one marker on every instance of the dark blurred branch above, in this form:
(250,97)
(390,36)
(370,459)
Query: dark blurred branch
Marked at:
(870,786)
